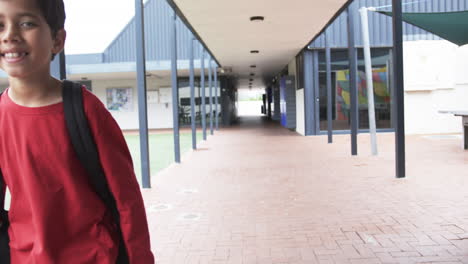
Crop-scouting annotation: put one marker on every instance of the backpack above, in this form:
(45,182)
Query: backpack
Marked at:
(86,151)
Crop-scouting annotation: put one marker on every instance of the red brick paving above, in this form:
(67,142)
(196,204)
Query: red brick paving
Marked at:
(259,193)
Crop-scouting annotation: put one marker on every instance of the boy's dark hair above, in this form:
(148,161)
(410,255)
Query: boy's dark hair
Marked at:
(54,14)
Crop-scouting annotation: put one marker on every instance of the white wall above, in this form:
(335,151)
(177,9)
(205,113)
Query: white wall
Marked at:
(300,112)
(159,112)
(436,78)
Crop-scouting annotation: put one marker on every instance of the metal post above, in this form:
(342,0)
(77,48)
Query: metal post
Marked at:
(216,97)
(352,80)
(58,66)
(63,70)
(399,89)
(175,89)
(141,82)
(309,93)
(192,96)
(329,89)
(210,84)
(202,86)
(316,84)
(369,81)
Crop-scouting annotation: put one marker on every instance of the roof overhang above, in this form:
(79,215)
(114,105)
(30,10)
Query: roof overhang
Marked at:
(226,29)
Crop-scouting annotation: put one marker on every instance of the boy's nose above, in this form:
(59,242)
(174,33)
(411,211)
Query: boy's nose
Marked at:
(10,34)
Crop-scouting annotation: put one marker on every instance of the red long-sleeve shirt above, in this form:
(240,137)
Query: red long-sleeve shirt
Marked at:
(55,217)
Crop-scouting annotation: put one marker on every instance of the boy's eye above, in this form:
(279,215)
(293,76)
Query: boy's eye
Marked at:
(28,24)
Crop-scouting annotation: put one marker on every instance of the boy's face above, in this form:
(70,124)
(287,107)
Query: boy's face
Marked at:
(26,41)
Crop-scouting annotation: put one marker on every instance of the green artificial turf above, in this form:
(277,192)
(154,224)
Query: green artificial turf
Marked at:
(161,150)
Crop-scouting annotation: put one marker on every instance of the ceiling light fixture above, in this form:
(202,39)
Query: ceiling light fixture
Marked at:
(257,18)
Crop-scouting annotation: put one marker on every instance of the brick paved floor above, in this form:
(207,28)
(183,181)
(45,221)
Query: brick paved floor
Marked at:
(258,193)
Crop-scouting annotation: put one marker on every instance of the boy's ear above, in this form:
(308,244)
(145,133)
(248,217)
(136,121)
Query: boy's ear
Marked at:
(59,41)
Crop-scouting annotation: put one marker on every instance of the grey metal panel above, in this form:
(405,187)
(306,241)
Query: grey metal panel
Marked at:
(380,26)
(276,103)
(92,58)
(157,15)
(290,101)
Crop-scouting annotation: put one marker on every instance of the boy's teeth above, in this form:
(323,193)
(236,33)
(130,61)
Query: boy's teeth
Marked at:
(13,55)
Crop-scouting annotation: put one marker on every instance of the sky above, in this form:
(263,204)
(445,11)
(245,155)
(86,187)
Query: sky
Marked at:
(92,25)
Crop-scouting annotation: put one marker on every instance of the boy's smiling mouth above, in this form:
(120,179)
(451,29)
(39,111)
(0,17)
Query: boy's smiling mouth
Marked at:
(13,56)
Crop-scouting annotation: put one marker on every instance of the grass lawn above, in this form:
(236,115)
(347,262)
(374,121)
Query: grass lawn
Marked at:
(161,149)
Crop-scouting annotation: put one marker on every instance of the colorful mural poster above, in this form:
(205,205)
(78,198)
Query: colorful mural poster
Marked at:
(119,99)
(381,91)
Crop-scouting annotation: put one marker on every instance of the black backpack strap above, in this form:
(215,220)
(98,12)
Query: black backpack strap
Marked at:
(3,213)
(4,223)
(87,153)
(2,185)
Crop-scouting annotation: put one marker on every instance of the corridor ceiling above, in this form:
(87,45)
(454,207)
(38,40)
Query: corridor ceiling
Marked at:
(226,29)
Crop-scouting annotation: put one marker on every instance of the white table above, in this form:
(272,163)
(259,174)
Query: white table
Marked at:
(464,115)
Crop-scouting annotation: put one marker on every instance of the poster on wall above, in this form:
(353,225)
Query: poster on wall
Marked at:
(381,91)
(119,99)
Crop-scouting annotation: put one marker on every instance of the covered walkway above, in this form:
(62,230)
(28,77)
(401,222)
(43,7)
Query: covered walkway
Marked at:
(259,193)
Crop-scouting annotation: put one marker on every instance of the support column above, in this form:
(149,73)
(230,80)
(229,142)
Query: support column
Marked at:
(316,82)
(202,86)
(210,84)
(58,67)
(399,89)
(369,80)
(329,89)
(354,118)
(142,104)
(216,97)
(175,89)
(192,96)
(309,101)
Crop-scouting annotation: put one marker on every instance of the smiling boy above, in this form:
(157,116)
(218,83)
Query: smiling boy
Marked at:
(55,216)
